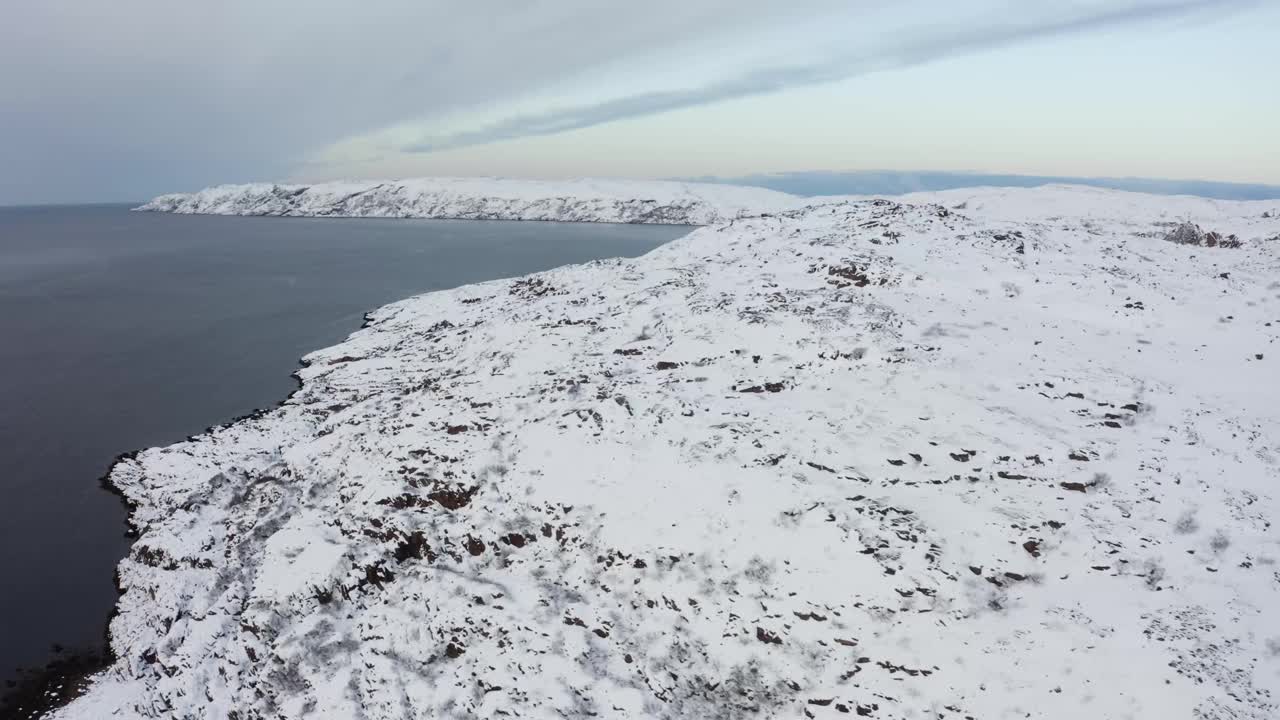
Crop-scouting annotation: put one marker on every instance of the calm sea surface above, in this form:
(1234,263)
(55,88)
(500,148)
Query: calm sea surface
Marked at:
(123,330)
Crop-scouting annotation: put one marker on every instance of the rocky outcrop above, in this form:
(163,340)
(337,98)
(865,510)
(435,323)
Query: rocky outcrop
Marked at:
(1189,233)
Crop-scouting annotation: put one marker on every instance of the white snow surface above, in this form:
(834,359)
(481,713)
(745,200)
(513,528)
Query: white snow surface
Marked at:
(584,200)
(866,458)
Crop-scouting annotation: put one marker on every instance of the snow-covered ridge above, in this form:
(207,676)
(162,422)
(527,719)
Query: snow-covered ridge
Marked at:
(863,458)
(613,201)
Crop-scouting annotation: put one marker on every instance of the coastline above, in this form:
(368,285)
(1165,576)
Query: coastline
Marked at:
(66,671)
(590,201)
(691,342)
(44,690)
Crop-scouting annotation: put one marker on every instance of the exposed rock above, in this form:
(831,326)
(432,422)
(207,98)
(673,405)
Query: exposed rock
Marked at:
(1189,233)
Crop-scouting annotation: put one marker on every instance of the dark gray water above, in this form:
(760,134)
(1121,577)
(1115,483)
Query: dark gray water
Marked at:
(123,330)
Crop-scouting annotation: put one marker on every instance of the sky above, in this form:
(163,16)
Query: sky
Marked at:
(124,100)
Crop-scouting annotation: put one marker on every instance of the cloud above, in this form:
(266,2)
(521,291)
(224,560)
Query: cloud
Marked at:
(136,96)
(926,43)
(125,99)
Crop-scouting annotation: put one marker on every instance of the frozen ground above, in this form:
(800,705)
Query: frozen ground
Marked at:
(1011,455)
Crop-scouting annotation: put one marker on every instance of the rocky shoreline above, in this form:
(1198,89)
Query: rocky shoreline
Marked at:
(42,690)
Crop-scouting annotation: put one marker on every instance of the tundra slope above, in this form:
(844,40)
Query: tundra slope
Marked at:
(870,458)
(656,202)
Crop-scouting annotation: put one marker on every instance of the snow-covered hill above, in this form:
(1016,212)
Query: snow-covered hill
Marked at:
(615,201)
(862,458)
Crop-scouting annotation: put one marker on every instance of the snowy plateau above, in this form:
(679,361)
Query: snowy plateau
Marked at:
(988,453)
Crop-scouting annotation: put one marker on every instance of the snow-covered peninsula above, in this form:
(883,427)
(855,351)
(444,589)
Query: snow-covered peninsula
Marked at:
(979,454)
(612,201)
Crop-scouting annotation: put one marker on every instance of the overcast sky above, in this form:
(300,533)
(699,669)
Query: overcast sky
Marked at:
(125,99)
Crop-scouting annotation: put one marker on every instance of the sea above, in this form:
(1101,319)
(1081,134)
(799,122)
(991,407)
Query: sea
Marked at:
(122,330)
